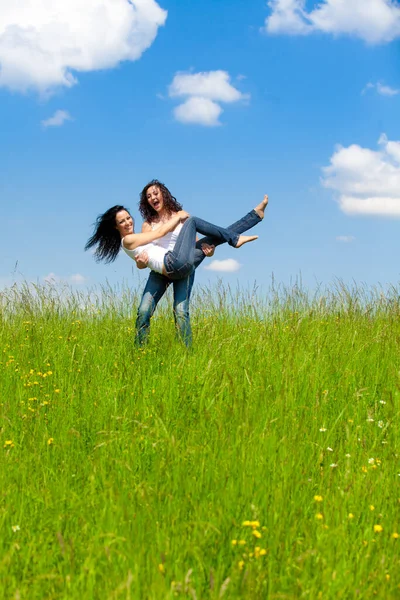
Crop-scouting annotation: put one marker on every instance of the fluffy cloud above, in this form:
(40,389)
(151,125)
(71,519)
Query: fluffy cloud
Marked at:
(223,266)
(58,119)
(214,85)
(198,110)
(382,90)
(366,181)
(76,279)
(43,44)
(203,92)
(375,21)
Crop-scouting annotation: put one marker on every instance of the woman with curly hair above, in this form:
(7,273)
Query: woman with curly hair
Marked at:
(158,207)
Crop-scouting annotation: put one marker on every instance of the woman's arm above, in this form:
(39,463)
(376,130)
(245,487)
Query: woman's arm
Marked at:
(133,240)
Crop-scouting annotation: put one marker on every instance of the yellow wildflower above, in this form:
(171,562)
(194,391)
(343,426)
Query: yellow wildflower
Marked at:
(50,441)
(371,507)
(351,516)
(378,528)
(318,498)
(8,444)
(241,565)
(263,552)
(242,542)
(234,542)
(246,524)
(161,568)
(395,535)
(256,533)
(319,516)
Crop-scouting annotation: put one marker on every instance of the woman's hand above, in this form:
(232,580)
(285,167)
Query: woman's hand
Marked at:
(142,260)
(208,250)
(183,215)
(170,225)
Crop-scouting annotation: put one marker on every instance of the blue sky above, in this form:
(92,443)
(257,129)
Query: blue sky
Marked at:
(223,102)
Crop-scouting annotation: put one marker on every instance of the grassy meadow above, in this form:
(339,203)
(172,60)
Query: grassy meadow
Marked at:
(264,463)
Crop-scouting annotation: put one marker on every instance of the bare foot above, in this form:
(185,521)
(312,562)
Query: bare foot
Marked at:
(260,208)
(243,239)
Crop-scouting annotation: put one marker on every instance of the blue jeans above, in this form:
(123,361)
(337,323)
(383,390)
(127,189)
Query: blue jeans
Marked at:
(155,289)
(157,285)
(179,262)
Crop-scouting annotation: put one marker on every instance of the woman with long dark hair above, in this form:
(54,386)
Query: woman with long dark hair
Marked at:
(176,263)
(157,206)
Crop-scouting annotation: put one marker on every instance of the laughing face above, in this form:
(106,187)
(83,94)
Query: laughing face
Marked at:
(124,223)
(155,198)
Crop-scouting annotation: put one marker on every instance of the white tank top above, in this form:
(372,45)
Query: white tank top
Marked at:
(155,253)
(156,250)
(169,240)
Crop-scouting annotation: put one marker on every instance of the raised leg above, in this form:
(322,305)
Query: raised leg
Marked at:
(244,224)
(180,262)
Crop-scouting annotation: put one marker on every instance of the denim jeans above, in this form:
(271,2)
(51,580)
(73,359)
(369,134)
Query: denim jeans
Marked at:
(179,262)
(157,285)
(244,224)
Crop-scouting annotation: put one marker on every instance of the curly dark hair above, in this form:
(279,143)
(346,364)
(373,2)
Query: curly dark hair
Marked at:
(171,204)
(106,238)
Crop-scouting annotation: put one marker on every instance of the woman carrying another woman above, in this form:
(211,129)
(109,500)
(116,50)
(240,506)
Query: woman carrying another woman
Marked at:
(114,229)
(157,206)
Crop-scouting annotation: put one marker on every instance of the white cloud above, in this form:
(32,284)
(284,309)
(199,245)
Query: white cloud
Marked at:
(43,44)
(198,110)
(367,181)
(204,92)
(223,266)
(347,239)
(383,90)
(214,85)
(76,279)
(287,16)
(375,21)
(58,119)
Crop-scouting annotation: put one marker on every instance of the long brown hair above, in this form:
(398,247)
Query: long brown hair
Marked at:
(171,204)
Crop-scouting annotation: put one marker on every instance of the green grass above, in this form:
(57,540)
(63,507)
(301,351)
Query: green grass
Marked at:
(129,473)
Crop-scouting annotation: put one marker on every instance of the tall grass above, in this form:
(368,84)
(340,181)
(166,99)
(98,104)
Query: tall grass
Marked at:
(263,463)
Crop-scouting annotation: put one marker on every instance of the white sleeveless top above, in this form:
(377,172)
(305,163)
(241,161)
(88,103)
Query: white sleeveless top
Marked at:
(155,253)
(156,250)
(169,240)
